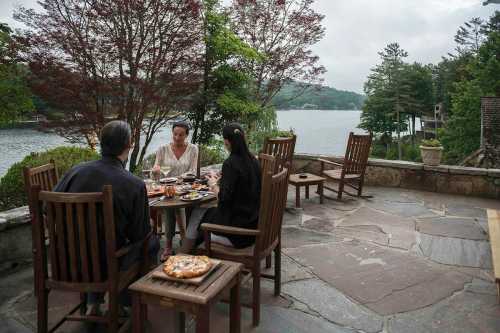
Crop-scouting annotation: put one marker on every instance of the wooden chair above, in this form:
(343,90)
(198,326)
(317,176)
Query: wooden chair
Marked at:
(268,163)
(47,177)
(282,148)
(77,223)
(352,171)
(267,237)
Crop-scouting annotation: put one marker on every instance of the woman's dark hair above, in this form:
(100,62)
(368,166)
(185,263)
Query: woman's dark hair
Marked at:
(236,136)
(181,124)
(115,138)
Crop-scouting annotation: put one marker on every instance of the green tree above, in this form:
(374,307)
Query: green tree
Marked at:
(389,95)
(15,96)
(470,36)
(224,95)
(421,93)
(461,136)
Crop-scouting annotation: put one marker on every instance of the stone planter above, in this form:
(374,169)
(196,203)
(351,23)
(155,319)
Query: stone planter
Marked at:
(431,155)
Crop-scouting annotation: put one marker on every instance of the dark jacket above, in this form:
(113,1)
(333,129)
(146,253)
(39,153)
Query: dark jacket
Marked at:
(130,202)
(239,197)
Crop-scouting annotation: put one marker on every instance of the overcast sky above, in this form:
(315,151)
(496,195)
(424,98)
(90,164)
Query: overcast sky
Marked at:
(357,29)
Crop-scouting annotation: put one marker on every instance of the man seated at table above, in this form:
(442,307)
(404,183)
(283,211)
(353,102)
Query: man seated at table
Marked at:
(130,201)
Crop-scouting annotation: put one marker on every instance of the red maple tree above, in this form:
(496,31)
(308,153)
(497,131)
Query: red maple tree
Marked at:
(93,61)
(283,31)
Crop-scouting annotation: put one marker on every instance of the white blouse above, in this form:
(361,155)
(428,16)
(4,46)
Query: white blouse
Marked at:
(186,163)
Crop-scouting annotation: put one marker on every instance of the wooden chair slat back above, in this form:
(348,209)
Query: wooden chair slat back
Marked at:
(46,176)
(77,224)
(272,206)
(282,149)
(267,164)
(357,152)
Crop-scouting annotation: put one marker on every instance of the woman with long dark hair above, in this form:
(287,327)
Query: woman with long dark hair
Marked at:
(238,191)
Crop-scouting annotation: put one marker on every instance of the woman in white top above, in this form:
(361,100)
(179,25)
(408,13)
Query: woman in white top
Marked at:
(181,157)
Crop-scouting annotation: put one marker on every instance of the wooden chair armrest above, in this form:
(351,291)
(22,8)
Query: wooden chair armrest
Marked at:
(229,230)
(330,162)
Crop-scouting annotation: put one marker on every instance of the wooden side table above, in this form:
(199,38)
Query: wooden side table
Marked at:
(193,299)
(311,179)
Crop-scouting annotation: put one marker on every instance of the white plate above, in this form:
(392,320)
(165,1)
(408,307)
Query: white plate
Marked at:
(189,198)
(168,180)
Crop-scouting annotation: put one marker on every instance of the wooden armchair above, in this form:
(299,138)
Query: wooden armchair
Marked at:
(77,224)
(267,237)
(282,149)
(47,177)
(352,171)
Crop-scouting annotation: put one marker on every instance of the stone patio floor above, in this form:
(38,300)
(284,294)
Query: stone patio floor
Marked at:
(402,261)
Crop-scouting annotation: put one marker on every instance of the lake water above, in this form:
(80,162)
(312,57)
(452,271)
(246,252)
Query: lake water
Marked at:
(318,132)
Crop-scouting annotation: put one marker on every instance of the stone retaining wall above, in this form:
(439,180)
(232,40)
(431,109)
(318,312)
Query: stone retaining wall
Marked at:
(442,179)
(15,236)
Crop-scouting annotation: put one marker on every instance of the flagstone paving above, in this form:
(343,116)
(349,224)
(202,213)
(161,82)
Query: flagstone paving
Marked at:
(401,261)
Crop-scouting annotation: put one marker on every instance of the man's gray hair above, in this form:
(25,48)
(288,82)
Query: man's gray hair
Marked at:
(115,138)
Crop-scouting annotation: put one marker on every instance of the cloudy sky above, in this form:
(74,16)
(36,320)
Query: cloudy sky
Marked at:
(357,29)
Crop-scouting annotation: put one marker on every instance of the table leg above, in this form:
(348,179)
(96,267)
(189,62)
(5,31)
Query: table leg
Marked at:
(320,190)
(138,315)
(235,309)
(203,319)
(297,196)
(307,191)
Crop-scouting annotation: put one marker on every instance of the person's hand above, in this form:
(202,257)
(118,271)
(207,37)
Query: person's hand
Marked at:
(212,180)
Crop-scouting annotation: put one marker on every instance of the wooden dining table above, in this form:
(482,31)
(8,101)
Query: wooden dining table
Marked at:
(159,203)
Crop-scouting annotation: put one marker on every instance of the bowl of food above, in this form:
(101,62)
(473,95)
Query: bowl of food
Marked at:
(188,177)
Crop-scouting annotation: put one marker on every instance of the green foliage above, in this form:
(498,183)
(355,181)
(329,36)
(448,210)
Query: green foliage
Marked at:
(430,143)
(461,136)
(294,96)
(487,66)
(15,96)
(389,151)
(226,88)
(256,139)
(12,192)
(211,154)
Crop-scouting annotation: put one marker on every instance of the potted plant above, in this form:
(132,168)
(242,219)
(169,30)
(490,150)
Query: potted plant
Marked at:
(431,151)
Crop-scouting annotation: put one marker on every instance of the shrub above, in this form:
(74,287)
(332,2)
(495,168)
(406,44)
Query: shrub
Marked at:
(430,143)
(12,192)
(212,154)
(256,138)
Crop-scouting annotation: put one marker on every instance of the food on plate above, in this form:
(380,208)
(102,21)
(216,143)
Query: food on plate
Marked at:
(186,267)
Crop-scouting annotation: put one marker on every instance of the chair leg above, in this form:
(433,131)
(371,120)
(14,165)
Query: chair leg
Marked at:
(360,188)
(83,307)
(42,311)
(268,261)
(113,313)
(341,189)
(256,295)
(277,270)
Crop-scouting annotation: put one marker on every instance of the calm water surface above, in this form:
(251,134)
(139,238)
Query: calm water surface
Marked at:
(318,132)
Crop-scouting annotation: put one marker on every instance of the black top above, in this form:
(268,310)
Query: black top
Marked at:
(239,197)
(130,201)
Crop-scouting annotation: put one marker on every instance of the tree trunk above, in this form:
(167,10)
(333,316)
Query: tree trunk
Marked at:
(413,136)
(400,153)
